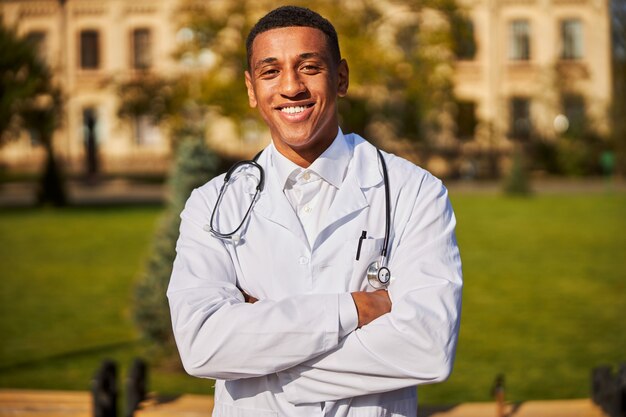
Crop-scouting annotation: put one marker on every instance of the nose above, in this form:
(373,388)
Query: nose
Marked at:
(292,84)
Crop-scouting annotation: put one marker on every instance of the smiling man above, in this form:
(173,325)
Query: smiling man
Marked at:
(338,290)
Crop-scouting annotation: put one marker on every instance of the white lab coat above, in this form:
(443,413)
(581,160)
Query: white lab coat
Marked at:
(283,356)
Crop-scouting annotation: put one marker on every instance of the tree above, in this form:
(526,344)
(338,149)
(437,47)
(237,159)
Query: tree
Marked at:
(400,56)
(195,164)
(618,31)
(29,100)
(162,100)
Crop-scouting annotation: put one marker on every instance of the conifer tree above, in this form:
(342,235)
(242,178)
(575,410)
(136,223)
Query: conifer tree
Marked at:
(194,165)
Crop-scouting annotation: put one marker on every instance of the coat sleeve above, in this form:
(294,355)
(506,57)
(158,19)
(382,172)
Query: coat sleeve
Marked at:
(413,344)
(219,335)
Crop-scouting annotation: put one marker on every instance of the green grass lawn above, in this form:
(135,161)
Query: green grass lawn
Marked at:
(543,302)
(65,293)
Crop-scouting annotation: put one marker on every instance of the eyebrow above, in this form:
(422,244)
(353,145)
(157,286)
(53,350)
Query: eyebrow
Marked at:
(308,55)
(272,60)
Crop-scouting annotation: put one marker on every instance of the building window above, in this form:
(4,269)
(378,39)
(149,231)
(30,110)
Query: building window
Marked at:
(141,47)
(574,110)
(520,125)
(519,34)
(464,39)
(466,120)
(572,39)
(89,49)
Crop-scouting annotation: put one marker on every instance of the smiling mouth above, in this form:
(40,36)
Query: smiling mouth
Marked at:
(295,109)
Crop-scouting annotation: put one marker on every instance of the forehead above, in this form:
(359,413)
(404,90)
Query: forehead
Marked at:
(282,43)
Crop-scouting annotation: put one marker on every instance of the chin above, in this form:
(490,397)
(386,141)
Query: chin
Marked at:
(297,141)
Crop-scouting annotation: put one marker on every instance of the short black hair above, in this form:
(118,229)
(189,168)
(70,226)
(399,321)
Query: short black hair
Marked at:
(294,16)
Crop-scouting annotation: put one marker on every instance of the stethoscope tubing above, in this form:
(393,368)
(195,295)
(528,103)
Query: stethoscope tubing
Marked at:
(379,267)
(253,162)
(383,252)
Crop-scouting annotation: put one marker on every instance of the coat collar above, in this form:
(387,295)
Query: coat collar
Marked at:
(367,168)
(331,165)
(363,172)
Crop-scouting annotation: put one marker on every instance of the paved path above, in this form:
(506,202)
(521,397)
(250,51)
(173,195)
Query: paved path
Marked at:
(28,403)
(82,193)
(193,406)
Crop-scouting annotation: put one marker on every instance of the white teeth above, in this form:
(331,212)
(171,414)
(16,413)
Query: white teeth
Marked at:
(292,110)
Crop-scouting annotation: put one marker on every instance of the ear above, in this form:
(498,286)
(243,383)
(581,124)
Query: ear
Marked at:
(343,78)
(251,95)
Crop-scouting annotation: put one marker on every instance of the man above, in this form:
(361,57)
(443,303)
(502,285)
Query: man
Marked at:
(281,314)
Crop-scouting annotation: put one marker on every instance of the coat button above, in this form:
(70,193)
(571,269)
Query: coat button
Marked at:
(303,260)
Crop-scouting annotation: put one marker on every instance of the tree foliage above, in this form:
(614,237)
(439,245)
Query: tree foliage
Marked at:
(618,31)
(399,53)
(400,56)
(30,100)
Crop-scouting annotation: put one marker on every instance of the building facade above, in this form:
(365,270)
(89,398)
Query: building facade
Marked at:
(540,69)
(536,68)
(90,45)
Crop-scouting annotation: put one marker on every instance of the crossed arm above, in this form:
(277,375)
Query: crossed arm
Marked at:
(369,305)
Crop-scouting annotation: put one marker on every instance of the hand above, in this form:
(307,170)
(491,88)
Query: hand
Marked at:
(371,305)
(248,298)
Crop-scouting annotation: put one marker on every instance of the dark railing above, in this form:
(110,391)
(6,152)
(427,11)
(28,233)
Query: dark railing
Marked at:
(608,389)
(104,389)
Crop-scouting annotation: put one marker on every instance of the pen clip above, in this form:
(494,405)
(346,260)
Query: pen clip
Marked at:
(358,249)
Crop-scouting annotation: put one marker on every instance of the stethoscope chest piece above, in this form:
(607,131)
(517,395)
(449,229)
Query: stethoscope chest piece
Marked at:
(378,276)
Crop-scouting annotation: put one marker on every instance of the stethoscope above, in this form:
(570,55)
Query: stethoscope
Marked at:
(378,274)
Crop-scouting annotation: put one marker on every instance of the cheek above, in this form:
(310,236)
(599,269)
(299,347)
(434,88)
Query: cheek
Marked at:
(266,115)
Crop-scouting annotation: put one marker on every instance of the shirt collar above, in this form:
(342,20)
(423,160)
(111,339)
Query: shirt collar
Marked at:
(283,166)
(331,165)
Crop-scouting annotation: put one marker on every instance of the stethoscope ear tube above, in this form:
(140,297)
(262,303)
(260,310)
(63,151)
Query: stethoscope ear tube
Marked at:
(234,236)
(252,162)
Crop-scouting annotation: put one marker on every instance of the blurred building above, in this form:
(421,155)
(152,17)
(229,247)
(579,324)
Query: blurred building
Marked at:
(92,46)
(536,68)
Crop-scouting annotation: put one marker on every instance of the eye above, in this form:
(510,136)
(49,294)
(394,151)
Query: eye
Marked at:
(268,73)
(311,69)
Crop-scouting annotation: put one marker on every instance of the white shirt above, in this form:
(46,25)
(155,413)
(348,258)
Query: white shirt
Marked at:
(310,193)
(284,355)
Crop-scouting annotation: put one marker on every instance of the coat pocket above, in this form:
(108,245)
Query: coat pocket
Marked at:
(368,251)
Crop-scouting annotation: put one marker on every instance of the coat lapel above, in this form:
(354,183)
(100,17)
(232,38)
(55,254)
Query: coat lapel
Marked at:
(349,199)
(363,172)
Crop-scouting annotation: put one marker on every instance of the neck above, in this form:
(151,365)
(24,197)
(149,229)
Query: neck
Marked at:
(303,157)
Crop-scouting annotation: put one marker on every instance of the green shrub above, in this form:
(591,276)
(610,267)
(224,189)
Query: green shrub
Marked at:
(195,164)
(517,181)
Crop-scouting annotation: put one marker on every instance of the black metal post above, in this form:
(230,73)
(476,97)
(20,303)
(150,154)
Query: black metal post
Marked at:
(136,386)
(104,390)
